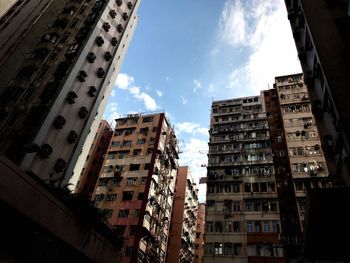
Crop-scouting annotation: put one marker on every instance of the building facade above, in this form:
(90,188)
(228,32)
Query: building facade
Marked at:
(199,243)
(5,5)
(291,234)
(58,62)
(307,162)
(40,225)
(135,189)
(320,30)
(181,243)
(242,208)
(94,160)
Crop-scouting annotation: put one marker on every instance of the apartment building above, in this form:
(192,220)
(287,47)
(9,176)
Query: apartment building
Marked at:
(291,234)
(135,189)
(308,165)
(58,63)
(94,160)
(242,208)
(5,5)
(199,243)
(181,243)
(320,30)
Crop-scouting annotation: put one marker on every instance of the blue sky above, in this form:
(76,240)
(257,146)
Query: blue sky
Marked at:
(186,53)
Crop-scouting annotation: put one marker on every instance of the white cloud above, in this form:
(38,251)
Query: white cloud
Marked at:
(113,93)
(111,113)
(148,101)
(197,85)
(159,93)
(195,156)
(183,100)
(262,26)
(190,127)
(232,24)
(124,81)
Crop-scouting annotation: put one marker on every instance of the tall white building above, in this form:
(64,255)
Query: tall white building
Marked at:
(58,62)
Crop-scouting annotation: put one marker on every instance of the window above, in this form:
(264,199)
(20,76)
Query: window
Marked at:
(108,168)
(209,226)
(143,179)
(137,152)
(111,156)
(236,226)
(237,249)
(137,212)
(123,213)
(111,197)
(147,166)
(116,143)
(127,195)
(147,119)
(140,141)
(134,167)
(116,181)
(141,196)
(208,248)
(123,154)
(131,181)
(50,37)
(218,248)
(228,249)
(99,197)
(118,132)
(128,251)
(236,206)
(250,227)
(198,235)
(119,230)
(126,143)
(275,226)
(107,213)
(133,230)
(236,188)
(102,182)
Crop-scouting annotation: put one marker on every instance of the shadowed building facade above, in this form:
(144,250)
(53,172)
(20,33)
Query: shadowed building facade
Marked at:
(58,63)
(135,189)
(181,244)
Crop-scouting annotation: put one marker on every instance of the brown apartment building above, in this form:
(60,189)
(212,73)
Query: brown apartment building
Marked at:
(242,206)
(265,155)
(181,244)
(199,246)
(58,62)
(135,189)
(94,160)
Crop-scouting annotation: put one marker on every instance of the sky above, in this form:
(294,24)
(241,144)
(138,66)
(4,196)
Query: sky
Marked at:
(186,53)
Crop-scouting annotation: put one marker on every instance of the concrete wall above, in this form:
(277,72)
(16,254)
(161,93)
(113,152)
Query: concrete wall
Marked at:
(36,203)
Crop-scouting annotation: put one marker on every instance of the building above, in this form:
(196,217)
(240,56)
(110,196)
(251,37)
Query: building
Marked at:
(5,5)
(320,30)
(199,243)
(325,214)
(244,133)
(308,165)
(58,62)
(181,242)
(135,189)
(39,225)
(94,160)
(291,234)
(242,208)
